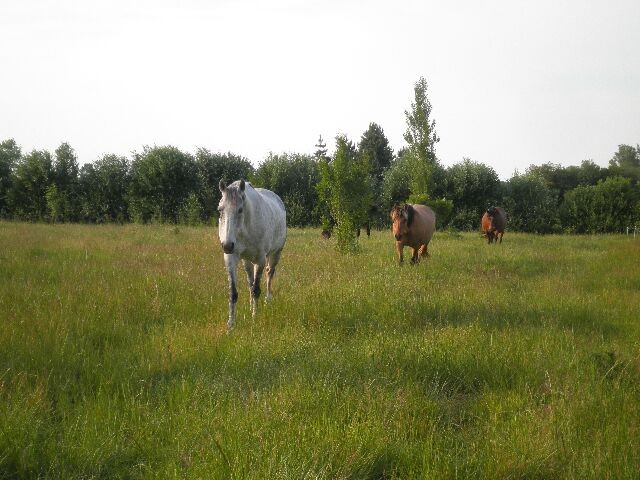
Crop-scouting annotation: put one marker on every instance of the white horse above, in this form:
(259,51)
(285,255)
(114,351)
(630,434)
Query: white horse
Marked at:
(252,227)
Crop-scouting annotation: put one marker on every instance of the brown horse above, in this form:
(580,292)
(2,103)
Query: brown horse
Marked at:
(413,226)
(493,224)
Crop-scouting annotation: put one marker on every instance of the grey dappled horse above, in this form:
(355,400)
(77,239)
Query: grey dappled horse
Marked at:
(252,227)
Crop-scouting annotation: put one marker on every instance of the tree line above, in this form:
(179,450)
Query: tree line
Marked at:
(357,185)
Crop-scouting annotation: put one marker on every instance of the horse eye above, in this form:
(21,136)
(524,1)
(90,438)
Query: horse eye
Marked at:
(240,211)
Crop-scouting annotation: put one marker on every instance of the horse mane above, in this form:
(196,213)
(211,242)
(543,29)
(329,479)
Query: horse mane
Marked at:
(401,211)
(234,191)
(410,212)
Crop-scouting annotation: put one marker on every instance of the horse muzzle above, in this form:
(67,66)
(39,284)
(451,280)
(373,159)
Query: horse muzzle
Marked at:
(228,247)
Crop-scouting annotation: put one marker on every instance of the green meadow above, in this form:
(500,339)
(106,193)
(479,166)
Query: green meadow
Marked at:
(519,360)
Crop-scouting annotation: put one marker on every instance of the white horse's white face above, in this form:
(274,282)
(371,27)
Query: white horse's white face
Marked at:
(231,209)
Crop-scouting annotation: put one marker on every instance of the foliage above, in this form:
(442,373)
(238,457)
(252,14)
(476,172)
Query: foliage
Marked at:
(211,167)
(104,187)
(10,154)
(530,204)
(472,187)
(626,156)
(466,219)
(589,173)
(421,137)
(395,185)
(57,203)
(27,195)
(163,184)
(65,197)
(443,209)
(344,187)
(162,178)
(375,145)
(626,162)
(294,178)
(562,179)
(420,198)
(610,206)
(321,150)
(191,212)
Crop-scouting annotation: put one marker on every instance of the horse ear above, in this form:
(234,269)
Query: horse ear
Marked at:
(222,185)
(242,185)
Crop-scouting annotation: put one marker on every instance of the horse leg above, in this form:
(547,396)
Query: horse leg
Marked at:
(358,232)
(231,262)
(271,271)
(501,235)
(414,256)
(368,230)
(255,288)
(399,248)
(423,250)
(248,268)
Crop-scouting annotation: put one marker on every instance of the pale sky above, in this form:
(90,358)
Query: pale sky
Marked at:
(511,83)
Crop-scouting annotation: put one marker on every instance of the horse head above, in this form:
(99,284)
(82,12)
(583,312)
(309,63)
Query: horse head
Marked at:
(231,209)
(402,218)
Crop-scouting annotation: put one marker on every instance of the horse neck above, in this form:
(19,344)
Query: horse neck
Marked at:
(251,212)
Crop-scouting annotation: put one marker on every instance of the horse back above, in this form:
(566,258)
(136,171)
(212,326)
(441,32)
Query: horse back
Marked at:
(271,218)
(424,223)
(500,219)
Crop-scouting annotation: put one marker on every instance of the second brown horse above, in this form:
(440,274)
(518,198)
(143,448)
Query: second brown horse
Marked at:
(413,226)
(493,224)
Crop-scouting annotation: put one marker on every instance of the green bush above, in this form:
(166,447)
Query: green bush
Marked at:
(610,206)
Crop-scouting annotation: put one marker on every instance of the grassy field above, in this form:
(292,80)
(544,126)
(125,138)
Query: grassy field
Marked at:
(520,360)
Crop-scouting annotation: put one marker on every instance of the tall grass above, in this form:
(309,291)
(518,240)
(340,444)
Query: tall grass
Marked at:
(520,360)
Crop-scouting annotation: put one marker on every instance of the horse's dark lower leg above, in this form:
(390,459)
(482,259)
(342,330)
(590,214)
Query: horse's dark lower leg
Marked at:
(271,271)
(358,233)
(233,299)
(231,262)
(255,288)
(248,268)
(368,230)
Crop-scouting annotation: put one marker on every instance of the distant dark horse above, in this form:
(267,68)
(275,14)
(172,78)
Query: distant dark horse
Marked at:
(493,224)
(373,209)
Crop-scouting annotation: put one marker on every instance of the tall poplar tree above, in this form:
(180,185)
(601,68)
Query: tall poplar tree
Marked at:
(422,138)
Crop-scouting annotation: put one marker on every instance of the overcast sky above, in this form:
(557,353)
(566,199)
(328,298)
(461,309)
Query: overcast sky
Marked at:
(511,84)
